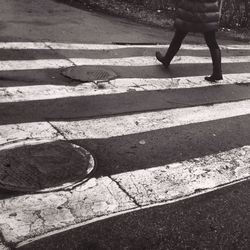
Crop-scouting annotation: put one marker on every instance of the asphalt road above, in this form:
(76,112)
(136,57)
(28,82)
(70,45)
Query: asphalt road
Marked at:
(216,220)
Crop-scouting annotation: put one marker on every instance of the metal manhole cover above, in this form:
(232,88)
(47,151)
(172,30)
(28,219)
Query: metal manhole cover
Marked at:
(42,166)
(83,74)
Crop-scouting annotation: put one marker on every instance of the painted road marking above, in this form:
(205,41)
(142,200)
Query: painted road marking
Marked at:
(123,125)
(117,86)
(151,60)
(24,217)
(128,61)
(100,128)
(37,130)
(34,64)
(84,46)
(27,216)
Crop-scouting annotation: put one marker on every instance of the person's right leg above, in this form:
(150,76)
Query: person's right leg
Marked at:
(173,48)
(215,55)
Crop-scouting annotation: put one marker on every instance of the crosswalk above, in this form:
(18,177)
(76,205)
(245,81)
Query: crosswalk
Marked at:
(157,140)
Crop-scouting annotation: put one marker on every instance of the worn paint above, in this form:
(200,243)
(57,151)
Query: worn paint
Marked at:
(27,216)
(30,215)
(182,179)
(17,132)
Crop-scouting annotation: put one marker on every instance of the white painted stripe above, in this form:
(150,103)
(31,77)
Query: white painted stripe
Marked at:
(181,179)
(34,64)
(159,46)
(128,61)
(36,130)
(148,121)
(79,46)
(38,214)
(117,86)
(235,47)
(23,45)
(44,92)
(114,46)
(151,60)
(139,84)
(63,46)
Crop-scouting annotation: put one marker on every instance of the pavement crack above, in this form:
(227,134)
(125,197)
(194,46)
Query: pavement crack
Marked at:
(125,191)
(57,130)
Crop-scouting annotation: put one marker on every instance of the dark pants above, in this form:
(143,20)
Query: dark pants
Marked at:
(212,45)
(180,35)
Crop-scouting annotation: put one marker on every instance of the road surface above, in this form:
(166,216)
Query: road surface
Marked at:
(173,150)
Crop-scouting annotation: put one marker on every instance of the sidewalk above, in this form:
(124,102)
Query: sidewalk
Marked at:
(156,18)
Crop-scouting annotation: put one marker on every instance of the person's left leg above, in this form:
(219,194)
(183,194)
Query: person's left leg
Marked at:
(173,48)
(215,55)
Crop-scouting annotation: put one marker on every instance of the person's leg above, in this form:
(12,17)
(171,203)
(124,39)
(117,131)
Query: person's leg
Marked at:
(173,48)
(215,55)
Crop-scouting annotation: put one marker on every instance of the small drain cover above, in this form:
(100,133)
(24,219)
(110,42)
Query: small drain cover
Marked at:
(83,74)
(42,166)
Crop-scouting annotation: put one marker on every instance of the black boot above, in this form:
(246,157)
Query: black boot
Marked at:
(173,48)
(163,59)
(172,51)
(217,72)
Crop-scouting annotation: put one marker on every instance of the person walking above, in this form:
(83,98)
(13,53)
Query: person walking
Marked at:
(200,16)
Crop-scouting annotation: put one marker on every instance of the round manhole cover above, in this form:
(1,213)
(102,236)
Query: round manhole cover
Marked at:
(83,74)
(42,166)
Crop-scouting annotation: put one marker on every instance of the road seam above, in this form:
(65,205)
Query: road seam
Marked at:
(125,191)
(58,54)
